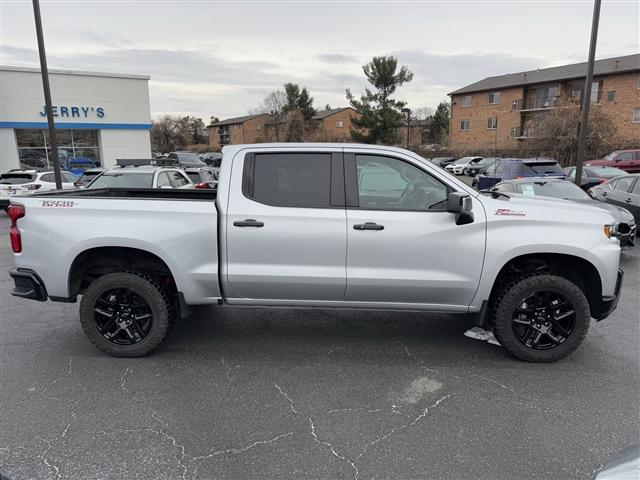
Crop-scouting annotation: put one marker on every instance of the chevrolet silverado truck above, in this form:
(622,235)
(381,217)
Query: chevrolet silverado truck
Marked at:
(324,226)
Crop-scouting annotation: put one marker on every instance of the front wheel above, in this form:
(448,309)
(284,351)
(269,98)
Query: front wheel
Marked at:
(126,314)
(541,318)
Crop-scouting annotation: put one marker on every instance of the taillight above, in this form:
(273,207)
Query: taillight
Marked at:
(15,212)
(519,177)
(602,180)
(33,186)
(202,185)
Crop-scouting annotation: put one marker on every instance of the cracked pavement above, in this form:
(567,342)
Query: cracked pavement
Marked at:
(292,393)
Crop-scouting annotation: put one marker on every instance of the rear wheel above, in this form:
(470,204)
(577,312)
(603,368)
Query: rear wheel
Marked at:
(541,318)
(126,314)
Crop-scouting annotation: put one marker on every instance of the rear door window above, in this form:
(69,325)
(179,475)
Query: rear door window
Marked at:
(48,177)
(288,179)
(624,184)
(163,180)
(625,156)
(636,187)
(178,179)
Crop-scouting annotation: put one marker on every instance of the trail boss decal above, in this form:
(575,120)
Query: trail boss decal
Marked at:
(58,203)
(509,212)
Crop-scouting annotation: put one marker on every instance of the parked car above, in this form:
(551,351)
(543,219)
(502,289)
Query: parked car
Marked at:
(479,167)
(566,190)
(622,191)
(510,168)
(203,177)
(211,158)
(140,174)
(457,167)
(592,176)
(627,160)
(24,182)
(276,233)
(185,159)
(87,176)
(77,166)
(442,161)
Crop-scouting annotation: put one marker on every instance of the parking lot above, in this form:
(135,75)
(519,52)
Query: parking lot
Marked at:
(293,393)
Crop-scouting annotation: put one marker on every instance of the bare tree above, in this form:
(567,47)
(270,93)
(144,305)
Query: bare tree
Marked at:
(274,105)
(556,131)
(169,133)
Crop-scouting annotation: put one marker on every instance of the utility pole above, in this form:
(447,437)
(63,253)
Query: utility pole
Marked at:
(586,93)
(47,95)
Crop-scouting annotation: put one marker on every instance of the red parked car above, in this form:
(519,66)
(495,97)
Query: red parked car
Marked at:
(627,160)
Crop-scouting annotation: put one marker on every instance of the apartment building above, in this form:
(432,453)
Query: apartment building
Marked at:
(331,125)
(498,113)
(237,130)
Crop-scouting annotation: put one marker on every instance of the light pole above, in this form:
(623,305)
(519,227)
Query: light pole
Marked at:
(586,93)
(408,112)
(47,95)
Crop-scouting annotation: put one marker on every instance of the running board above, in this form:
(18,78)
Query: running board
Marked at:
(478,333)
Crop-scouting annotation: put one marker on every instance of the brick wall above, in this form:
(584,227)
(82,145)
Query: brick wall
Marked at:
(337,127)
(627,98)
(479,137)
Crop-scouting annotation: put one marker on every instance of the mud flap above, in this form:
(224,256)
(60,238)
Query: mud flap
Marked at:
(478,333)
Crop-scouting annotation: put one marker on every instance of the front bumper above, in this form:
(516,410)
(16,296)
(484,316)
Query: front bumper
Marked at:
(609,303)
(28,285)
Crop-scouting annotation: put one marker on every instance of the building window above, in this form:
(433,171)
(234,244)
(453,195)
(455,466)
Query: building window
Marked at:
(611,96)
(339,124)
(466,101)
(258,127)
(77,149)
(636,115)
(464,124)
(494,98)
(492,123)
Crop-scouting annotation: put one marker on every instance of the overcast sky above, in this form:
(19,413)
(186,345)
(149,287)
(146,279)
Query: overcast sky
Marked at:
(222,58)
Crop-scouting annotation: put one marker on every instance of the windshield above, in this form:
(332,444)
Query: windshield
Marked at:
(566,190)
(464,160)
(486,161)
(606,172)
(543,168)
(122,180)
(190,158)
(16,178)
(611,156)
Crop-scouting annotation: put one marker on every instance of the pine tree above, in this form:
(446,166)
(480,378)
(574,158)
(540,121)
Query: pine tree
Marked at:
(299,99)
(380,115)
(440,125)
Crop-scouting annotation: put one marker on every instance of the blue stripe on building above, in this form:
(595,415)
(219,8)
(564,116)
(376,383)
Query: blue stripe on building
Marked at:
(79,126)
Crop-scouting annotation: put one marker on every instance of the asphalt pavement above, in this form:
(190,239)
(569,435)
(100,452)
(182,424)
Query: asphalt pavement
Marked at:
(239,393)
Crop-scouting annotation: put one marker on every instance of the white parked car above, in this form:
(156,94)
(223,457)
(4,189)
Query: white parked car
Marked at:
(457,167)
(23,182)
(139,173)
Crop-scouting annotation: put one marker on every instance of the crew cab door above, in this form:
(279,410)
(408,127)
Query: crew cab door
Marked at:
(404,247)
(286,226)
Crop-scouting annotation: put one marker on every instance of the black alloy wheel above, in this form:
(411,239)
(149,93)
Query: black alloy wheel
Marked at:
(122,317)
(543,320)
(540,318)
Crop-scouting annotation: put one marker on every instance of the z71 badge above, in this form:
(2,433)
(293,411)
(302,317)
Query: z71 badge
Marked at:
(58,203)
(510,212)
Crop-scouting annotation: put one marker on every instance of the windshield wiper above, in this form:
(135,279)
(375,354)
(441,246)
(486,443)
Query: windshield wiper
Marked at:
(495,193)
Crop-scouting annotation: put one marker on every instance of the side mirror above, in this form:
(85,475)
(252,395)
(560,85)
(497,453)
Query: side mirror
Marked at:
(460,204)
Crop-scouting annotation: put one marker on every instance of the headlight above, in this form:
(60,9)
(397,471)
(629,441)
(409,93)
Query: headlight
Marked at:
(609,231)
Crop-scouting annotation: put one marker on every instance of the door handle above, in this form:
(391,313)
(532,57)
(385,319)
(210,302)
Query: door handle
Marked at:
(368,226)
(249,222)
(628,200)
(604,194)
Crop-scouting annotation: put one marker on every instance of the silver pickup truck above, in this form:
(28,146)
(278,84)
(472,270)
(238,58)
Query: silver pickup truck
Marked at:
(320,225)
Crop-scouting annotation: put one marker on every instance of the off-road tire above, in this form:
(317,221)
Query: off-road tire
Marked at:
(146,286)
(519,288)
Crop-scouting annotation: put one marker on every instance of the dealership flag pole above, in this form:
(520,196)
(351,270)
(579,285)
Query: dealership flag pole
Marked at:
(586,94)
(47,95)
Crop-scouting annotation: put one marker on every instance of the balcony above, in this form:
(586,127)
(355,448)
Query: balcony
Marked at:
(536,103)
(521,133)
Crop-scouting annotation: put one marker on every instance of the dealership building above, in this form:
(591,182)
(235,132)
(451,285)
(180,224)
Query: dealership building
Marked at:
(99,118)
